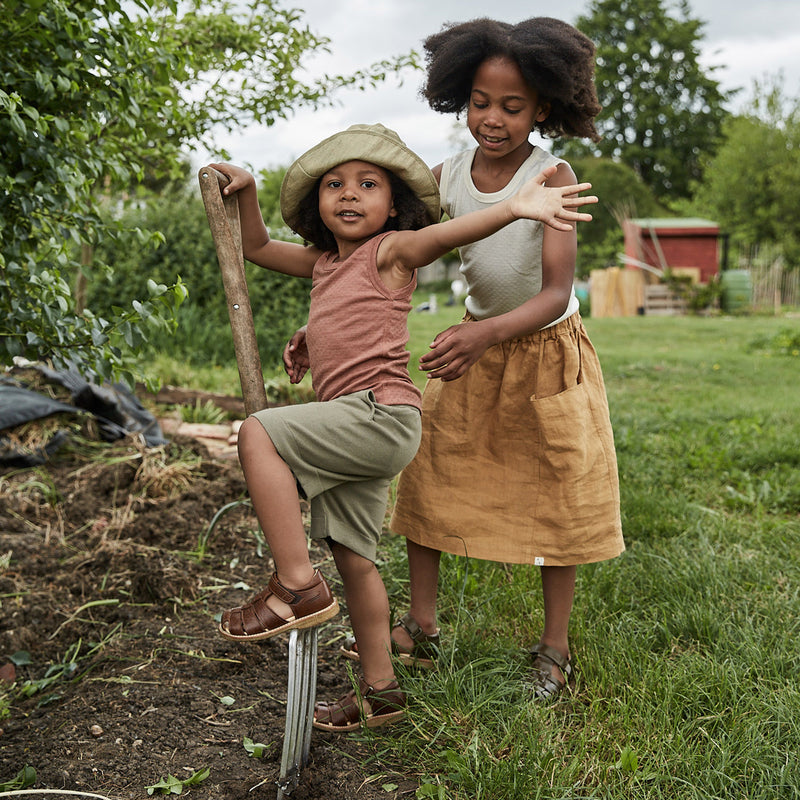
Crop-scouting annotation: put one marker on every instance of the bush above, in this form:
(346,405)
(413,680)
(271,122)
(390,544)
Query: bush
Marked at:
(279,302)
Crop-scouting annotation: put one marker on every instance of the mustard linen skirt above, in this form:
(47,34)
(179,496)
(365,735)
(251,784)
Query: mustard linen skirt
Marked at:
(517,461)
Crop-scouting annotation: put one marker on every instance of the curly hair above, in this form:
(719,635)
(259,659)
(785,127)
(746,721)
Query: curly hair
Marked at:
(555,59)
(411,214)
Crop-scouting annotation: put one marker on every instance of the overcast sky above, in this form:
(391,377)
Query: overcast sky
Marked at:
(747,40)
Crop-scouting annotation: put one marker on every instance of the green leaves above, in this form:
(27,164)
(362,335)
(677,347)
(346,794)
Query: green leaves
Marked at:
(99,98)
(173,785)
(662,110)
(753,197)
(24,778)
(255,750)
(628,761)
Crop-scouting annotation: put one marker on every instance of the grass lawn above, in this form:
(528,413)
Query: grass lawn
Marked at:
(685,647)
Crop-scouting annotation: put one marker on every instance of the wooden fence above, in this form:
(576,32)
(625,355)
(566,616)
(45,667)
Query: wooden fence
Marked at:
(773,285)
(620,292)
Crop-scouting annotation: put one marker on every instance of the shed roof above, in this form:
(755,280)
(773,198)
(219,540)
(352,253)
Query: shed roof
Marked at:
(673,222)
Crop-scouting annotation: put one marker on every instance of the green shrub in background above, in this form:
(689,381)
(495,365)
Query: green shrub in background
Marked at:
(203,337)
(99,99)
(622,194)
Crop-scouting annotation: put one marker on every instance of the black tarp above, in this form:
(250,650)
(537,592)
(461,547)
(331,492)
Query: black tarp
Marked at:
(117,410)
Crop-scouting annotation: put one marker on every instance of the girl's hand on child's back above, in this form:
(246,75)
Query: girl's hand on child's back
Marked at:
(552,205)
(455,350)
(239,178)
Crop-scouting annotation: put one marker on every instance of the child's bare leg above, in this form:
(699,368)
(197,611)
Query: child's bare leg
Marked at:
(558,590)
(273,491)
(378,698)
(368,605)
(423,573)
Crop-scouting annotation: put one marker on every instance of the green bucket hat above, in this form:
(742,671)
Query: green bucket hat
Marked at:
(373,143)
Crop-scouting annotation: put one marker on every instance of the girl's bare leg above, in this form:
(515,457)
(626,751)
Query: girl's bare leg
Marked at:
(423,570)
(558,590)
(273,491)
(368,606)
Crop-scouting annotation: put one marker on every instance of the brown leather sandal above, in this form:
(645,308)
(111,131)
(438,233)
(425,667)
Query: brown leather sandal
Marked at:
(546,686)
(311,605)
(365,706)
(423,652)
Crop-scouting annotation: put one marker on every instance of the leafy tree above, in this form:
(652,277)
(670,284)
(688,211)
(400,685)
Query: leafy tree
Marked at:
(269,199)
(661,111)
(750,185)
(96,96)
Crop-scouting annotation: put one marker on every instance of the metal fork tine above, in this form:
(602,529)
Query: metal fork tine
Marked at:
(290,763)
(308,645)
(302,705)
(300,696)
(310,670)
(302,711)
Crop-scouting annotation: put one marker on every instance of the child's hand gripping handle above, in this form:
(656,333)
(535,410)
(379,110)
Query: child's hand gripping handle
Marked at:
(223,219)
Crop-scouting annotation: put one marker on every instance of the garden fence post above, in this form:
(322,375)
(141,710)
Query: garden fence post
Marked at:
(223,219)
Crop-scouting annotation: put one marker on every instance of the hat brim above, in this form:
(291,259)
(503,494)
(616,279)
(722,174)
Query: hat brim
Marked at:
(372,143)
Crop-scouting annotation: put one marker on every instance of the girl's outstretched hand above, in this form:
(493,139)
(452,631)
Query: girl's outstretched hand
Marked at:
(238,178)
(552,205)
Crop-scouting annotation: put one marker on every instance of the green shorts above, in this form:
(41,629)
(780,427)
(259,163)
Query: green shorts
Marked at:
(344,454)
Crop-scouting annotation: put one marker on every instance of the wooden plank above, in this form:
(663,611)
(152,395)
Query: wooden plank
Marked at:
(615,292)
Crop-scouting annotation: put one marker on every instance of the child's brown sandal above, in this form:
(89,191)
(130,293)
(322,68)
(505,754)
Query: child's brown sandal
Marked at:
(351,712)
(311,605)
(423,652)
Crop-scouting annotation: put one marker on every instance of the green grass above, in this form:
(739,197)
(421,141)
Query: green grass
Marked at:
(423,327)
(686,646)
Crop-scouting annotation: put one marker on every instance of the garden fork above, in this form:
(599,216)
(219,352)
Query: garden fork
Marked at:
(223,219)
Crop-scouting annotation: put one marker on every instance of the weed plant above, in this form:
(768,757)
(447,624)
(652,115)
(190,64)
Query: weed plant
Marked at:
(204,412)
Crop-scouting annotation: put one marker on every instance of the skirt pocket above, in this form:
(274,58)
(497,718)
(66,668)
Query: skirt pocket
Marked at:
(576,487)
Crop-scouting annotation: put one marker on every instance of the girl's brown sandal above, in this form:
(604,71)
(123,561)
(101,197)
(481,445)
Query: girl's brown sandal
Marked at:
(547,686)
(423,652)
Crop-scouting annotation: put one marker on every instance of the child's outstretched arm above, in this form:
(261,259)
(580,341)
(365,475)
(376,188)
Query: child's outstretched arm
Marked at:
(257,247)
(553,205)
(456,349)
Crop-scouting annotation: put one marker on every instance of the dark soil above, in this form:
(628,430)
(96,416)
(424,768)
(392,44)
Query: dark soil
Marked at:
(128,680)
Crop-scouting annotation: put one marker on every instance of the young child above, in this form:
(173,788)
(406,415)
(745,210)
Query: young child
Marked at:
(364,201)
(517,461)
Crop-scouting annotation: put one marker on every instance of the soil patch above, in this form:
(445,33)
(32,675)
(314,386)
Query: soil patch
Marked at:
(128,680)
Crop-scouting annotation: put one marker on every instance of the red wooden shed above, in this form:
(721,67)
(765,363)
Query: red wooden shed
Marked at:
(674,244)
